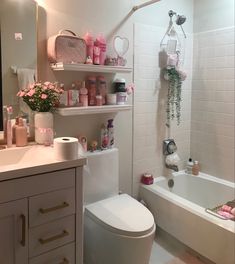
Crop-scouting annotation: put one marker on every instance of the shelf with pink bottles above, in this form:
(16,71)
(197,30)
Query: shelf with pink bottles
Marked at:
(60,66)
(69,111)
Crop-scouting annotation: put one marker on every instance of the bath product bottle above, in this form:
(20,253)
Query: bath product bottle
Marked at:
(91,86)
(104,137)
(189,166)
(110,133)
(195,168)
(83,95)
(96,55)
(21,134)
(102,88)
(63,96)
(101,43)
(9,127)
(14,130)
(90,44)
(73,95)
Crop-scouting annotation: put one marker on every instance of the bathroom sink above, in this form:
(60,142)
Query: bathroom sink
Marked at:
(12,155)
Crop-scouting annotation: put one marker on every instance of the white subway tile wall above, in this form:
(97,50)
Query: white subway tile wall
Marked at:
(150,105)
(212,120)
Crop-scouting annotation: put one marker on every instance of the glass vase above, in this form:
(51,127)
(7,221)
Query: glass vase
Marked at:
(43,122)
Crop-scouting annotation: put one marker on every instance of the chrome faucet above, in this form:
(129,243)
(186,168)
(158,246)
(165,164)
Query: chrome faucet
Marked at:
(169,147)
(172,167)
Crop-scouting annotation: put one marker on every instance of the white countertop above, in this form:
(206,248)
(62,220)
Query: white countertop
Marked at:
(31,160)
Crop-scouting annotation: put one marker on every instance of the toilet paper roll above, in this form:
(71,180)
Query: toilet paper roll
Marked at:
(172,159)
(66,148)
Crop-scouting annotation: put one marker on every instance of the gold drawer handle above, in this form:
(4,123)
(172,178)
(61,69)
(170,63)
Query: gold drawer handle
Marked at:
(65,261)
(23,240)
(51,209)
(53,238)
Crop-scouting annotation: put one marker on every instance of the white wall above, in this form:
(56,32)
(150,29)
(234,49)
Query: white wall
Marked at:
(212,127)
(213,14)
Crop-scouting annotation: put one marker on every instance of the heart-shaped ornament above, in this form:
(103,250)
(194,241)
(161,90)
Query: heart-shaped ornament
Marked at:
(120,45)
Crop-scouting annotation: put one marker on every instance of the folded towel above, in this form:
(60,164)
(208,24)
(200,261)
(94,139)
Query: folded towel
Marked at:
(25,78)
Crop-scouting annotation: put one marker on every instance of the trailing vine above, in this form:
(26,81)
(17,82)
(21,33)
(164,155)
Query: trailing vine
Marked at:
(173,109)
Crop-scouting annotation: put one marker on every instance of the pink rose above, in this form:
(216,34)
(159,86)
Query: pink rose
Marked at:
(31,93)
(20,94)
(44,96)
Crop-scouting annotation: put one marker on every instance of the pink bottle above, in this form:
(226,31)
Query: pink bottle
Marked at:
(83,95)
(96,55)
(91,86)
(90,44)
(21,134)
(102,88)
(101,43)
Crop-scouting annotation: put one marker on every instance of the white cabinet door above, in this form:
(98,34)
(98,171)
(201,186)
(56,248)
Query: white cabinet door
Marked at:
(13,232)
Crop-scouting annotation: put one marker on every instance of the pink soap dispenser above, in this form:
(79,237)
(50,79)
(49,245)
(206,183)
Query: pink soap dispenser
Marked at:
(101,43)
(21,134)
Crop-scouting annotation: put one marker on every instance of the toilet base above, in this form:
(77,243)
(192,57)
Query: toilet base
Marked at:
(102,246)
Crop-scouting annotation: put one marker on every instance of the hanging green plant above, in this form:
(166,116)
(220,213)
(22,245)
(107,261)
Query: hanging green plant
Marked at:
(173,109)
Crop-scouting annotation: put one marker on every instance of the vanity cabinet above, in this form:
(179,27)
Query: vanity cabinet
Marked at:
(13,232)
(41,218)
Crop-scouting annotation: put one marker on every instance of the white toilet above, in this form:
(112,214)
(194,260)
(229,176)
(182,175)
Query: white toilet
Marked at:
(117,228)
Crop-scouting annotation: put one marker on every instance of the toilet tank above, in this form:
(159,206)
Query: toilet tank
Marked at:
(100,175)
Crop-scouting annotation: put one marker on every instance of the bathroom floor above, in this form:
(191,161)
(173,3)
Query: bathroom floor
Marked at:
(168,250)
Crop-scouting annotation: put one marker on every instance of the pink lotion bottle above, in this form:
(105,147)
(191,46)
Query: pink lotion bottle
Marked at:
(21,134)
(83,95)
(101,43)
(89,44)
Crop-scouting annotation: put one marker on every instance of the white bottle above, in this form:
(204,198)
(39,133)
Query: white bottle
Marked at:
(104,137)
(189,166)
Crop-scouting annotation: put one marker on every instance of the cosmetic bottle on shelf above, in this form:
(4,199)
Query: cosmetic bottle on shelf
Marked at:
(91,86)
(83,97)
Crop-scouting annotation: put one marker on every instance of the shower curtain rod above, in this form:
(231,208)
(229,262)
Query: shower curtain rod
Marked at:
(144,4)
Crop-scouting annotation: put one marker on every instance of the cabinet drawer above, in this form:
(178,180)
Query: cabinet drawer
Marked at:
(33,185)
(51,235)
(61,255)
(51,206)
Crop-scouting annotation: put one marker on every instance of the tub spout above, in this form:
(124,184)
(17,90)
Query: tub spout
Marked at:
(172,167)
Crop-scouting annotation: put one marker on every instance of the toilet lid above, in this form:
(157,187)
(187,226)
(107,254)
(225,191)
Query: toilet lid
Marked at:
(122,214)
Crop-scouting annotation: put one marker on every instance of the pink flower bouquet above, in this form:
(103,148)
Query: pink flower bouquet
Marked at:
(41,97)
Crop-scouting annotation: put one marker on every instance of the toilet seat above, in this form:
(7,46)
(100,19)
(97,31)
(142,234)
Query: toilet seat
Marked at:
(122,215)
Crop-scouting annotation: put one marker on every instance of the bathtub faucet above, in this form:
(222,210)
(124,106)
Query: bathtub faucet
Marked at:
(171,158)
(172,167)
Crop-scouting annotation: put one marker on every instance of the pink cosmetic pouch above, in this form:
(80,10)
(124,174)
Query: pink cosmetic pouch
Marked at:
(66,48)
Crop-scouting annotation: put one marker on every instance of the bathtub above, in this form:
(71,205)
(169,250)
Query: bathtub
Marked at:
(181,212)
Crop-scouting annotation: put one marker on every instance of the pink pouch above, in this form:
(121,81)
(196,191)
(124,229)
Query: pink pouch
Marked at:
(66,48)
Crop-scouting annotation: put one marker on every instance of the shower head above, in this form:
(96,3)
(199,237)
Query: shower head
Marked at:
(180,20)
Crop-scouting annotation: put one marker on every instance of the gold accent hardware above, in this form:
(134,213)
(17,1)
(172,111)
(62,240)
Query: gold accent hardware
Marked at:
(23,239)
(51,209)
(53,238)
(65,261)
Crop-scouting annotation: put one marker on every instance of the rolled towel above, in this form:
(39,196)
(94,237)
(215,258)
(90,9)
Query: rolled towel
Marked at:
(226,215)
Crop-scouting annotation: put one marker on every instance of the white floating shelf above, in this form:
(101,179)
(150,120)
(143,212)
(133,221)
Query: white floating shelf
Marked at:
(60,66)
(69,111)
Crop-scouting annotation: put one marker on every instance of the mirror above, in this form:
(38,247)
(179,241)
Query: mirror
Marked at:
(121,45)
(18,36)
